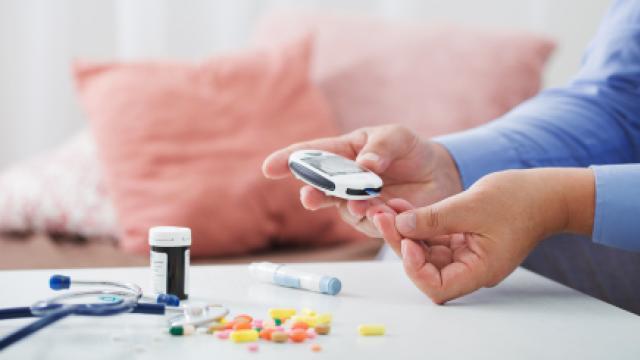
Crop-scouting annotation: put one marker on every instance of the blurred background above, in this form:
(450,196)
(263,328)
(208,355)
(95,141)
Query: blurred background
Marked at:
(67,197)
(39,39)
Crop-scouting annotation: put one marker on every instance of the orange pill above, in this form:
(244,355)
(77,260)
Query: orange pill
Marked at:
(316,347)
(298,335)
(243,318)
(229,325)
(300,325)
(266,333)
(242,326)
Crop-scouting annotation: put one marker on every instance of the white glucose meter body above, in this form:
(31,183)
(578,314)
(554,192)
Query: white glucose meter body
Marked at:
(334,175)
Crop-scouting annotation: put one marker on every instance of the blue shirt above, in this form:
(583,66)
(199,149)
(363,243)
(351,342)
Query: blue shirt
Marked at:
(593,121)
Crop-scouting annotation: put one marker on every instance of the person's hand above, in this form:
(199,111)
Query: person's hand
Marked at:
(420,172)
(476,238)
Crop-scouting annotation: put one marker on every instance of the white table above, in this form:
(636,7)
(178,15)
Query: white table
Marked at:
(526,317)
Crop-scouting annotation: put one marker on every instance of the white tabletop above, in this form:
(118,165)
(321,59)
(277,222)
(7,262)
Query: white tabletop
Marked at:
(525,317)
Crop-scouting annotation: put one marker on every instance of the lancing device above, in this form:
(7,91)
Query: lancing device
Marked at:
(286,276)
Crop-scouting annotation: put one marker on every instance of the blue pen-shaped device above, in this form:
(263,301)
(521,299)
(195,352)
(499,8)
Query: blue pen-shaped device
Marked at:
(284,275)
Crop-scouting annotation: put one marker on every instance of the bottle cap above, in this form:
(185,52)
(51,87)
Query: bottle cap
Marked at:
(169,236)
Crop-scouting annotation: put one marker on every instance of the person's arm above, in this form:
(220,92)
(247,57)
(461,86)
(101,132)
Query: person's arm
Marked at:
(595,120)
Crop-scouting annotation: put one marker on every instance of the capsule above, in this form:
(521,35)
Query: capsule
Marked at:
(309,320)
(371,329)
(242,326)
(322,329)
(324,318)
(300,325)
(239,336)
(283,313)
(279,336)
(298,335)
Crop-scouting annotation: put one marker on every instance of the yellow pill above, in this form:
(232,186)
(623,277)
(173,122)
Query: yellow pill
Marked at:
(239,336)
(324,318)
(309,320)
(281,313)
(371,329)
(308,312)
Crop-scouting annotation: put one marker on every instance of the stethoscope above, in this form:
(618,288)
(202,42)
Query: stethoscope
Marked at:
(115,298)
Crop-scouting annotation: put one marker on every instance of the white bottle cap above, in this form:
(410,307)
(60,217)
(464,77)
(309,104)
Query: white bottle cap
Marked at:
(169,236)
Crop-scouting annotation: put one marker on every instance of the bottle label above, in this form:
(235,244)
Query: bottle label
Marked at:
(159,272)
(187,260)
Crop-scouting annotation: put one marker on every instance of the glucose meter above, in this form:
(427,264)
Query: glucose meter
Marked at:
(334,175)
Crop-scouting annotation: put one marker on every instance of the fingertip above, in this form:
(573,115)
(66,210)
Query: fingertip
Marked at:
(275,166)
(400,205)
(412,255)
(371,161)
(358,207)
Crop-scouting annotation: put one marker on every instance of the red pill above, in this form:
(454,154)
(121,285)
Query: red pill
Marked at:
(300,325)
(298,335)
(243,318)
(242,326)
(266,333)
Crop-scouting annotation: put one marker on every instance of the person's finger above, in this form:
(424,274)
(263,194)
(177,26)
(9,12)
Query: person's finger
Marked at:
(422,272)
(314,199)
(385,224)
(361,224)
(400,205)
(441,256)
(276,165)
(384,145)
(461,277)
(455,214)
(358,207)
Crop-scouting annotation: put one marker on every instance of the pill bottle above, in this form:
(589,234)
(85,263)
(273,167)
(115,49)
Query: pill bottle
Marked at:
(169,260)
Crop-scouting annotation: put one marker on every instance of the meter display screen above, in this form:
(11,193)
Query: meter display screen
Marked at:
(333,165)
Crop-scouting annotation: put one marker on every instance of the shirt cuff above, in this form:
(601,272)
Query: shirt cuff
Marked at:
(480,151)
(616,221)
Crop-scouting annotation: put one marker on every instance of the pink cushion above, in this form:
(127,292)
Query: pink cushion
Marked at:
(181,144)
(435,79)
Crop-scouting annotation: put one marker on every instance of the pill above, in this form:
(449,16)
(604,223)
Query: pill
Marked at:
(244,335)
(311,334)
(279,336)
(308,312)
(188,329)
(371,329)
(324,318)
(310,320)
(252,347)
(266,333)
(322,329)
(279,328)
(244,318)
(281,313)
(277,321)
(241,326)
(316,347)
(229,324)
(176,330)
(223,335)
(300,325)
(258,324)
(298,335)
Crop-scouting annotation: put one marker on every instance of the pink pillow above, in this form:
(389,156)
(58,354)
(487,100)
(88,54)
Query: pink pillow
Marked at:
(435,79)
(181,144)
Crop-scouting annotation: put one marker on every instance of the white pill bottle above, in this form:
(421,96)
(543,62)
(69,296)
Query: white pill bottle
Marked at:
(170,259)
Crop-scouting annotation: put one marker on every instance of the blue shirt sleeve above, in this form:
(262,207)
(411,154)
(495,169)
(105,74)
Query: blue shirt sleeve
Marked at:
(595,120)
